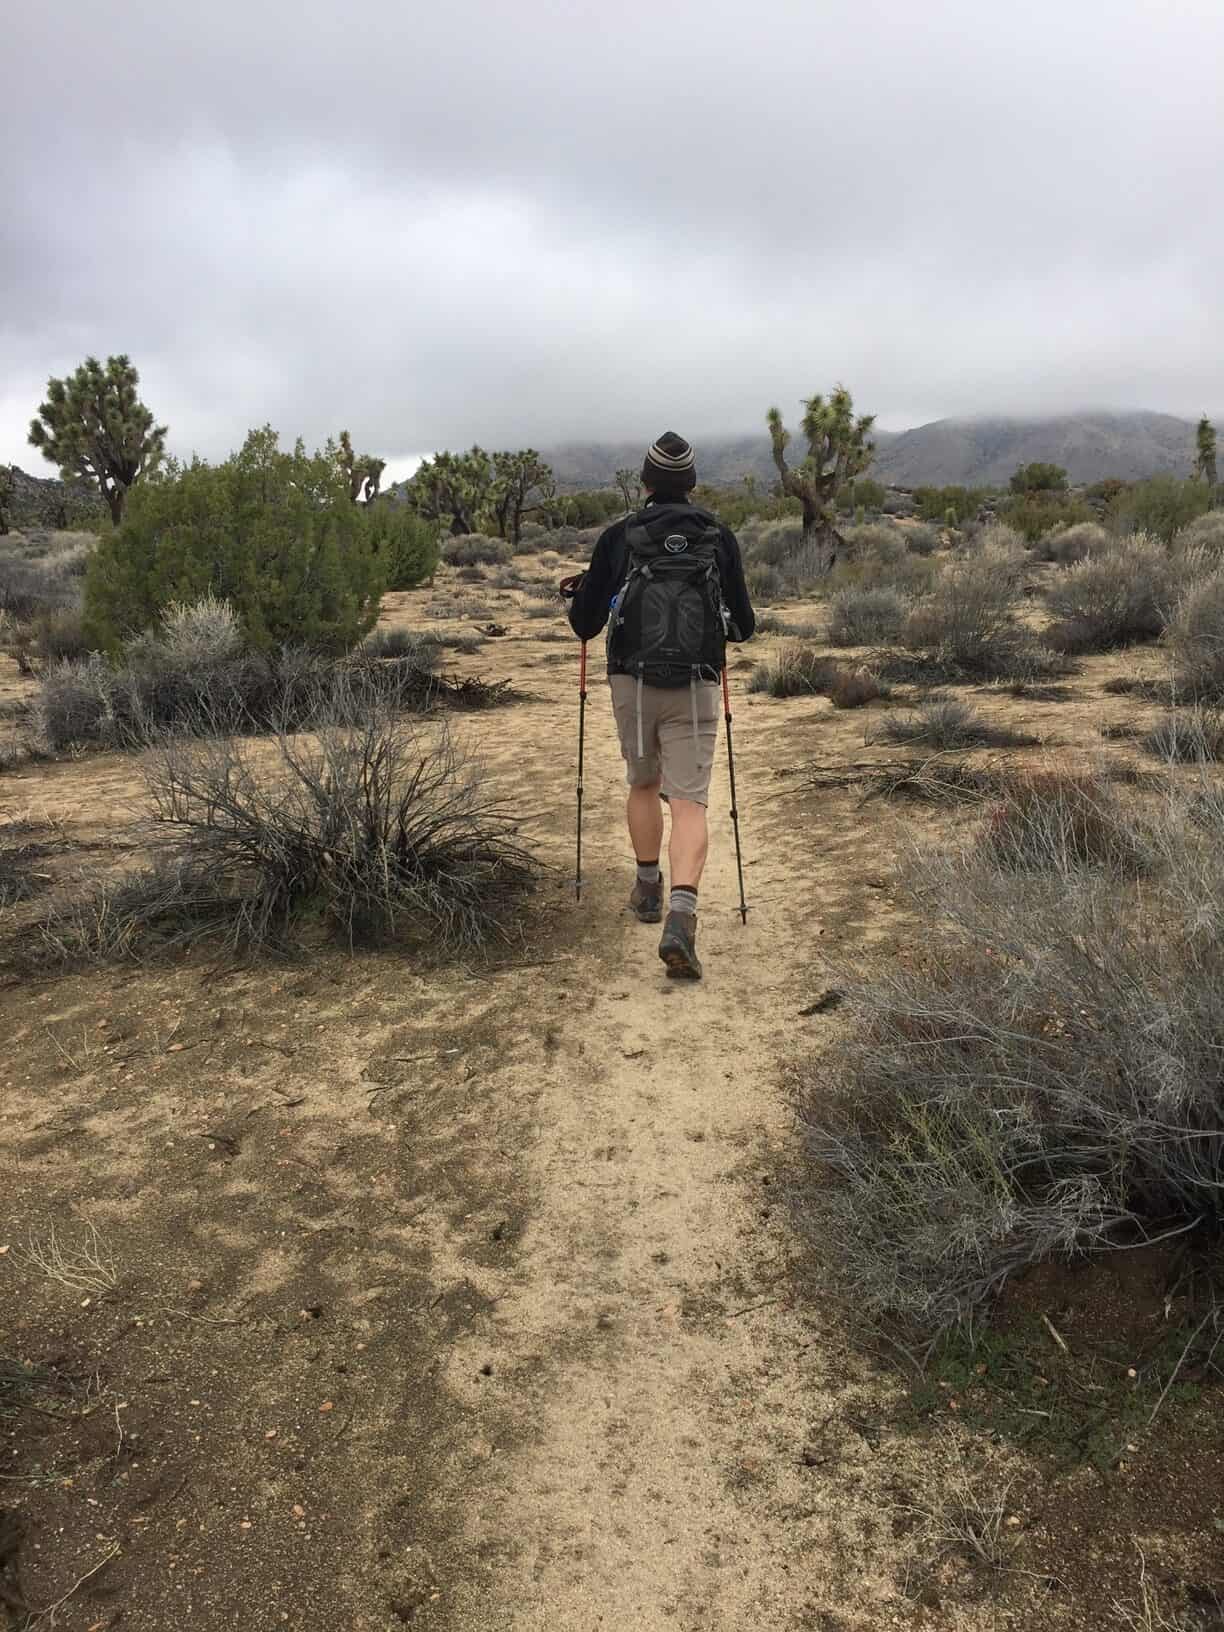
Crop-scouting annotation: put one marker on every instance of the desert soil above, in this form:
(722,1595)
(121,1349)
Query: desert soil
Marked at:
(469,1299)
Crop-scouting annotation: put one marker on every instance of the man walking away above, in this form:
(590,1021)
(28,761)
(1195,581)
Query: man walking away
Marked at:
(669,583)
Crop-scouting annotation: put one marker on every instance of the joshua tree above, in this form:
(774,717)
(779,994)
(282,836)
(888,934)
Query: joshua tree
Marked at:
(362,472)
(1205,452)
(838,451)
(630,484)
(522,483)
(453,487)
(6,494)
(95,428)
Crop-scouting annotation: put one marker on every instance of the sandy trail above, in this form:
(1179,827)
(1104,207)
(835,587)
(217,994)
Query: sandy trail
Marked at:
(649,1353)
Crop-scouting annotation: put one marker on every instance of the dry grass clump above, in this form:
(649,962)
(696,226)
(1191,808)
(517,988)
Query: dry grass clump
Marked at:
(1192,736)
(1045,1080)
(797,671)
(422,651)
(769,623)
(946,722)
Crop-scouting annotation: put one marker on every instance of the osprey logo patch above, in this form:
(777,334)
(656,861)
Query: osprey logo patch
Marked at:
(675,544)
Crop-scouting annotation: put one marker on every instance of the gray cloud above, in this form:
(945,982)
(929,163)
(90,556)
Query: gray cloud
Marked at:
(514,223)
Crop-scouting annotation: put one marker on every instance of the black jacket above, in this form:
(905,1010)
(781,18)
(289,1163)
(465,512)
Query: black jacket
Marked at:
(609,566)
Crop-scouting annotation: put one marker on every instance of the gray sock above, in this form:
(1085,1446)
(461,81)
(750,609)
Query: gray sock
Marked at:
(683,901)
(648,872)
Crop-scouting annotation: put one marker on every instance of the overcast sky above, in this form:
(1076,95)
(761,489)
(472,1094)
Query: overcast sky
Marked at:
(514,221)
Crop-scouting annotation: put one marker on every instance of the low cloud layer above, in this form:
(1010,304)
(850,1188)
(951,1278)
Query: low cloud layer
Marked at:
(542,222)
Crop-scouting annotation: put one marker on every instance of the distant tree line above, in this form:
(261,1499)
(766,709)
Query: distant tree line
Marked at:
(304,544)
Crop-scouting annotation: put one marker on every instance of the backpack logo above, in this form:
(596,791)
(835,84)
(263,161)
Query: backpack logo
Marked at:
(675,544)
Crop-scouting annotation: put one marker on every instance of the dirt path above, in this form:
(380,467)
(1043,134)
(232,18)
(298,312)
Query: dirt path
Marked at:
(662,1386)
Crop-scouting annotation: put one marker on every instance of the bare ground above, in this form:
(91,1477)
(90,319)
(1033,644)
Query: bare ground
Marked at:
(465,1299)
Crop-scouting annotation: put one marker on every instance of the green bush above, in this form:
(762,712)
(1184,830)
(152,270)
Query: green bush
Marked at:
(594,508)
(274,534)
(742,505)
(1039,477)
(935,502)
(1038,513)
(406,544)
(863,493)
(1162,506)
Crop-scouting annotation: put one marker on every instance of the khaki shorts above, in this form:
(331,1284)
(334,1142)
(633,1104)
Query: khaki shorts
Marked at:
(673,751)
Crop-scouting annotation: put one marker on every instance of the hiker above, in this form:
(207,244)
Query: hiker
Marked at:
(671,580)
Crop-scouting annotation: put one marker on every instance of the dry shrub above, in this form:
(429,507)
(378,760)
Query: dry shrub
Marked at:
(1044,1082)
(1068,545)
(793,670)
(866,617)
(1195,639)
(770,623)
(1064,822)
(59,635)
(420,650)
(765,583)
(193,677)
(476,550)
(770,543)
(31,588)
(366,827)
(968,620)
(852,688)
(1111,599)
(877,557)
(1205,535)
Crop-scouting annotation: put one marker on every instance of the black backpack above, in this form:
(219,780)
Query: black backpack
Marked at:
(669,623)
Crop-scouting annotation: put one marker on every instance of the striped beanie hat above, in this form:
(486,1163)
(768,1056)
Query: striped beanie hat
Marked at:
(669,468)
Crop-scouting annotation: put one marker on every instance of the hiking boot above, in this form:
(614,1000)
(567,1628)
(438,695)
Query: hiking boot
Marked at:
(646,901)
(678,948)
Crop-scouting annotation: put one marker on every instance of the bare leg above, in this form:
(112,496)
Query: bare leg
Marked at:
(645,814)
(690,841)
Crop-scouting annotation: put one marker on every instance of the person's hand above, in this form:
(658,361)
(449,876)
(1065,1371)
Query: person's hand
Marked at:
(569,586)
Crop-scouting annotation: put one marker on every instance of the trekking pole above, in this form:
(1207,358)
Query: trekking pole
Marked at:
(582,697)
(739,860)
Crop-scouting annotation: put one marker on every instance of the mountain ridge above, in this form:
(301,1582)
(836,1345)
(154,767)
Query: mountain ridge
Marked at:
(969,452)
